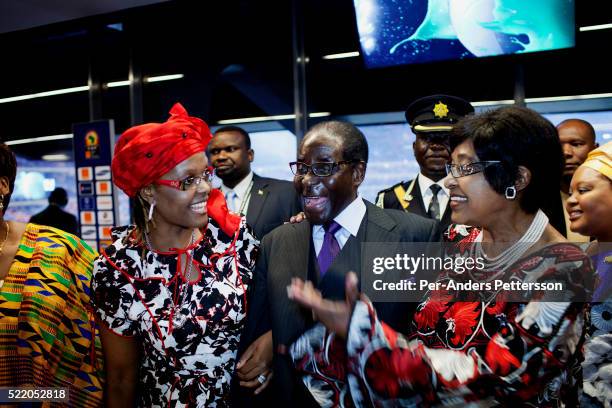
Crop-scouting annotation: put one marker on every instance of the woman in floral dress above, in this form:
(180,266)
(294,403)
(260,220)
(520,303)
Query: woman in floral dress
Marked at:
(171,291)
(484,349)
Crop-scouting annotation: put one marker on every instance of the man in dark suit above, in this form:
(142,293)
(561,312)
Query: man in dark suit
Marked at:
(55,216)
(330,167)
(431,119)
(266,202)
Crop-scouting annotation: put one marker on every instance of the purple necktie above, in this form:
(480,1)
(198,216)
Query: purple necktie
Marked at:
(330,247)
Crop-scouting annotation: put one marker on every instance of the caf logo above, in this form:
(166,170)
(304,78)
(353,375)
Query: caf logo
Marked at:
(92,145)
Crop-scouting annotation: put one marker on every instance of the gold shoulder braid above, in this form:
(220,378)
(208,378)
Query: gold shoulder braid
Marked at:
(404,196)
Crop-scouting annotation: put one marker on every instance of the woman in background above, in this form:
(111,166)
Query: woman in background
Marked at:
(590,210)
(48,336)
(171,291)
(484,349)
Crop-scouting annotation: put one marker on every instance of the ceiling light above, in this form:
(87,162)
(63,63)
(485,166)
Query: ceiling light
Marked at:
(545,99)
(147,79)
(341,55)
(255,119)
(56,157)
(39,139)
(269,118)
(493,103)
(569,97)
(117,83)
(319,114)
(596,27)
(163,78)
(43,94)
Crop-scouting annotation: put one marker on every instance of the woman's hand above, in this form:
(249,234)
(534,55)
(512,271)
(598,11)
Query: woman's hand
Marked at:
(334,315)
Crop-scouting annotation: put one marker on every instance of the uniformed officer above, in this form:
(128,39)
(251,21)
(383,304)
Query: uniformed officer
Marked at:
(431,119)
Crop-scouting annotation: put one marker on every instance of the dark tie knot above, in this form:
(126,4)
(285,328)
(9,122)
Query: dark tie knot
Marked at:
(332,227)
(435,188)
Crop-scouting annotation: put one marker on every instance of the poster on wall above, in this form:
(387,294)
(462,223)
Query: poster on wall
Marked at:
(98,204)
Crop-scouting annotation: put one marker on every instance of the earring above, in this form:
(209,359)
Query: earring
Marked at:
(151,207)
(1,202)
(510,193)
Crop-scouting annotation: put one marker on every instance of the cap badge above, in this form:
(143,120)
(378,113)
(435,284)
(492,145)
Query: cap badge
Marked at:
(440,110)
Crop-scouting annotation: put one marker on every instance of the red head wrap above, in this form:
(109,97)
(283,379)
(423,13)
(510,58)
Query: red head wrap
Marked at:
(146,152)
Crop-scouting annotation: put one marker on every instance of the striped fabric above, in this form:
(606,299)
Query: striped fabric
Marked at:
(48,337)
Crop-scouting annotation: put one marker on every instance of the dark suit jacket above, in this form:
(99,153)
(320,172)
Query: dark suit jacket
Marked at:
(288,252)
(271,204)
(416,205)
(54,216)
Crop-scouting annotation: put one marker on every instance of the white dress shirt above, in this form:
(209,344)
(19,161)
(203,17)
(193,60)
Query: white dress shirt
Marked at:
(427,194)
(349,219)
(243,193)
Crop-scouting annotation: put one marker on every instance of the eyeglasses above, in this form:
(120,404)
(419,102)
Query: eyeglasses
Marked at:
(462,170)
(323,169)
(189,183)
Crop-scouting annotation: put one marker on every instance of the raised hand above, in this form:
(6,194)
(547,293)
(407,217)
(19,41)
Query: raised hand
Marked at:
(333,314)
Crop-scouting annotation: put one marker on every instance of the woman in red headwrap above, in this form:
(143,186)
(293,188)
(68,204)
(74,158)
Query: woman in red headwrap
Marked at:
(171,291)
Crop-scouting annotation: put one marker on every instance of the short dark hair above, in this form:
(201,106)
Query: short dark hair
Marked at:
(517,137)
(355,145)
(8,169)
(590,129)
(58,196)
(244,133)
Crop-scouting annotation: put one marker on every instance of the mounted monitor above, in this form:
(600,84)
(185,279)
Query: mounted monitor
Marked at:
(396,32)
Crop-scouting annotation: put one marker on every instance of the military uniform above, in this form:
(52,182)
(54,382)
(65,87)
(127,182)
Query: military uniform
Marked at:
(406,196)
(432,115)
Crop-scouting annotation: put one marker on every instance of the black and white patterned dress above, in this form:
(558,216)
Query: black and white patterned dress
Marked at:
(189,335)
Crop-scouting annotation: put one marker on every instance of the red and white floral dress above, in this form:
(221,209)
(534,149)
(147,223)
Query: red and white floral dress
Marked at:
(480,351)
(187,360)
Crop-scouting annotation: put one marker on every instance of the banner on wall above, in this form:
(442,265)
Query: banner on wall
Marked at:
(94,143)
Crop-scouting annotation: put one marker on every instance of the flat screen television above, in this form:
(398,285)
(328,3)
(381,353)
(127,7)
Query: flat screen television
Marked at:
(396,32)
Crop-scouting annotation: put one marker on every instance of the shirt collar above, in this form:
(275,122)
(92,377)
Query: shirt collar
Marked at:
(350,218)
(425,182)
(241,188)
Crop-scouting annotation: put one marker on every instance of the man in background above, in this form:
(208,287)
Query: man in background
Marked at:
(54,215)
(266,202)
(577,138)
(431,119)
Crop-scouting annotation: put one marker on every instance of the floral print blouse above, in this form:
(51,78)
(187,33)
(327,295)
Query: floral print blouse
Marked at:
(189,331)
(597,364)
(486,352)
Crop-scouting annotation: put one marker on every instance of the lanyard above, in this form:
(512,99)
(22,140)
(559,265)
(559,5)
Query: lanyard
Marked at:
(247,195)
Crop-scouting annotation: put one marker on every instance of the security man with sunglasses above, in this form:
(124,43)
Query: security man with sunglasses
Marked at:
(431,119)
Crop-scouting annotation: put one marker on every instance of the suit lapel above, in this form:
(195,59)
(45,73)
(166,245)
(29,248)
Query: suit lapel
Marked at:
(416,205)
(292,317)
(349,259)
(259,193)
(379,224)
(376,226)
